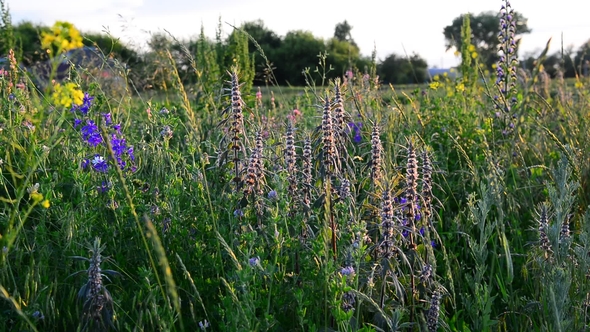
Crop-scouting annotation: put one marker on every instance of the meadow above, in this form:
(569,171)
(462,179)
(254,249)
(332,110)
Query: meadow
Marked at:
(457,205)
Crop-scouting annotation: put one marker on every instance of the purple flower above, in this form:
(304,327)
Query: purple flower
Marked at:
(99,164)
(104,187)
(117,127)
(272,195)
(77,122)
(254,261)
(347,271)
(107,118)
(91,134)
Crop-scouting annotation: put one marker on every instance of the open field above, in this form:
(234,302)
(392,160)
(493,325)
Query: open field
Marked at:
(457,205)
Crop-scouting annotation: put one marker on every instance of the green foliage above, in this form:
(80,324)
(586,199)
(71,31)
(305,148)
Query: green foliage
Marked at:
(465,228)
(484,34)
(395,69)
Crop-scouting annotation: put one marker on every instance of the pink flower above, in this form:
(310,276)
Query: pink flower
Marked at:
(259,94)
(296,112)
(349,74)
(149,112)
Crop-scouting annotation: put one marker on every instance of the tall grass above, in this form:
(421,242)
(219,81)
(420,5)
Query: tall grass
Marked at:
(453,206)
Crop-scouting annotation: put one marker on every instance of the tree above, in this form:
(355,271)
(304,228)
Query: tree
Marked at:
(485,28)
(111,47)
(342,56)
(342,32)
(299,50)
(268,41)
(399,70)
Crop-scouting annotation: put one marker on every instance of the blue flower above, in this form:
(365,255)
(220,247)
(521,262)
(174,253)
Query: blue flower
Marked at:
(99,164)
(77,122)
(91,134)
(107,118)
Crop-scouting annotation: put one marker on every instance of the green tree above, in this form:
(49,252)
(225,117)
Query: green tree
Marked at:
(299,50)
(342,56)
(400,70)
(485,28)
(112,47)
(342,32)
(268,41)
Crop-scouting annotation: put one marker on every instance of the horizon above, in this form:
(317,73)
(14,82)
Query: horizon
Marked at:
(133,22)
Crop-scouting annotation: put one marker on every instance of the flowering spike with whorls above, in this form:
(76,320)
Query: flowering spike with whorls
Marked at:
(506,67)
(290,159)
(329,145)
(433,312)
(387,247)
(306,172)
(376,155)
(236,125)
(544,242)
(411,190)
(98,304)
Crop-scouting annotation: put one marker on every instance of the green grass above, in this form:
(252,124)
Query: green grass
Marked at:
(496,239)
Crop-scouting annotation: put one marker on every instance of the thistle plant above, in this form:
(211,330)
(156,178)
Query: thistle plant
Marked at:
(376,157)
(330,158)
(433,312)
(506,68)
(411,192)
(543,221)
(236,127)
(290,160)
(97,307)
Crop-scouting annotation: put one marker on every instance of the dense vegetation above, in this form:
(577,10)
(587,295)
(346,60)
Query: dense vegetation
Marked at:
(227,205)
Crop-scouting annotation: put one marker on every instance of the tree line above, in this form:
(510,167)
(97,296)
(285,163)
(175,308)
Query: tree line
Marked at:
(284,59)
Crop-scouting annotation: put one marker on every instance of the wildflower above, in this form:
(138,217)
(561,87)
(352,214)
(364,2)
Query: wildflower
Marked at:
(356,128)
(104,187)
(166,132)
(254,261)
(348,301)
(272,195)
(107,118)
(544,241)
(203,325)
(46,204)
(166,224)
(164,111)
(433,312)
(238,213)
(99,164)
(38,315)
(426,273)
(347,271)
(91,134)
(259,95)
(349,74)
(33,189)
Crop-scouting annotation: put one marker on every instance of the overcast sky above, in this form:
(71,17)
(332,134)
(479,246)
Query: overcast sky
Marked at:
(392,26)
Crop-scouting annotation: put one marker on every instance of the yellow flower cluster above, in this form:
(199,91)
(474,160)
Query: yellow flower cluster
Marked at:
(67,94)
(62,37)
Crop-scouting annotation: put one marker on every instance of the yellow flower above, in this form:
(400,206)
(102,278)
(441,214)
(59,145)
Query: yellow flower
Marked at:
(434,85)
(579,85)
(471,48)
(460,87)
(66,95)
(46,204)
(474,55)
(62,37)
(36,197)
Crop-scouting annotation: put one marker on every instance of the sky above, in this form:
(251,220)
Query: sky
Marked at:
(389,26)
